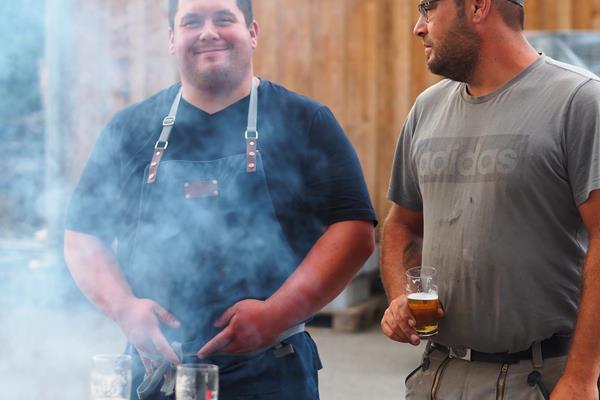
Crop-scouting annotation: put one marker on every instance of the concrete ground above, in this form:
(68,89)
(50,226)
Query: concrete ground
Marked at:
(364,365)
(46,353)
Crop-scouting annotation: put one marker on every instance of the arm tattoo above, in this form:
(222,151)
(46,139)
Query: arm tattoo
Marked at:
(412,255)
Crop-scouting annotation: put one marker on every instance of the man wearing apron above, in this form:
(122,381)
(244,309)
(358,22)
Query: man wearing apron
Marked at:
(237,210)
(495,183)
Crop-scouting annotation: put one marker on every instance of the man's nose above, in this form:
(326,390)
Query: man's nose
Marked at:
(209,32)
(420,28)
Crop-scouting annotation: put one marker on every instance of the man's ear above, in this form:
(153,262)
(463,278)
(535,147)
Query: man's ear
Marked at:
(478,10)
(254,29)
(171,41)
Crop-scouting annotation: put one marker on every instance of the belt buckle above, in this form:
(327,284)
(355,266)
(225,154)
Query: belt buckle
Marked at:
(459,352)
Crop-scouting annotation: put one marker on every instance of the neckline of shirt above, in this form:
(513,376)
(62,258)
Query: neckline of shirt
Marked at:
(243,102)
(482,99)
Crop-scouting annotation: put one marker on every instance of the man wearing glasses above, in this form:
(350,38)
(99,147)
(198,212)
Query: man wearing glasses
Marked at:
(495,183)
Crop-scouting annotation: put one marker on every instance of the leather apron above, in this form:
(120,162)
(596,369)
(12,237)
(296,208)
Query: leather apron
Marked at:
(207,237)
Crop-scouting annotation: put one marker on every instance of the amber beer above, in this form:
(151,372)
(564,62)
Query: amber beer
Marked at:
(424,308)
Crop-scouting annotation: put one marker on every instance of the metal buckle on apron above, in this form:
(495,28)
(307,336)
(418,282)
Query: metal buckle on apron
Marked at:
(249,137)
(165,145)
(169,120)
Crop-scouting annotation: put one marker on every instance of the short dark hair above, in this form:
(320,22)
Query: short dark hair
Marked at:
(512,14)
(244,5)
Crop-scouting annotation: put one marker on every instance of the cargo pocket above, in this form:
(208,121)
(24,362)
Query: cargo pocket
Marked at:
(422,383)
(437,379)
(414,371)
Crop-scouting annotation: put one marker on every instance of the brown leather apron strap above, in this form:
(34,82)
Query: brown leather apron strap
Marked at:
(163,140)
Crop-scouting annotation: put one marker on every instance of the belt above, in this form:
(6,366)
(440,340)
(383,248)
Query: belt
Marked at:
(556,346)
(167,371)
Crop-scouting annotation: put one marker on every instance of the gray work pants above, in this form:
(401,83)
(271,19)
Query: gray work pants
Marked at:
(455,379)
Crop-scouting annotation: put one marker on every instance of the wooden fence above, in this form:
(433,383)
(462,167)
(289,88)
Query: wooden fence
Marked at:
(359,57)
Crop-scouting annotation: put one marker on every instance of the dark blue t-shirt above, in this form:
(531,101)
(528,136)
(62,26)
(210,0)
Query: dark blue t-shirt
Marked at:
(312,171)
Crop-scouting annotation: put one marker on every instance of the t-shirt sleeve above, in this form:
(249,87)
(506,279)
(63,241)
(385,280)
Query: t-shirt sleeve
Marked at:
(334,179)
(582,130)
(404,188)
(94,205)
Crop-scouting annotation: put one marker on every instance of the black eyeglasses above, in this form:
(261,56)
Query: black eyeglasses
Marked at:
(424,7)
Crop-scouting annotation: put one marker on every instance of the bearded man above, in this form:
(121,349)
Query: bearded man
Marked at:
(495,183)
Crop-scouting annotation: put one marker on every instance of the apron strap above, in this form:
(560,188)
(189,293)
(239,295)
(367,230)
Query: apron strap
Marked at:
(251,134)
(163,140)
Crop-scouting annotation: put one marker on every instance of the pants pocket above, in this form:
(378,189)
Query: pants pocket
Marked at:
(420,383)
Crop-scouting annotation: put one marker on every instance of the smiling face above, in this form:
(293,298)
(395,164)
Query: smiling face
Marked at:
(212,43)
(451,46)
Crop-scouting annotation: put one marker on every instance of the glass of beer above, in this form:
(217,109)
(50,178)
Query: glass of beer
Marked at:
(197,382)
(422,294)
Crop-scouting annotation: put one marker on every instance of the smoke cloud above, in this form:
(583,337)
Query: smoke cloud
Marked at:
(65,68)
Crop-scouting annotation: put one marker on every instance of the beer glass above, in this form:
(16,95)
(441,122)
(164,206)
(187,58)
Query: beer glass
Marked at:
(110,377)
(197,382)
(422,294)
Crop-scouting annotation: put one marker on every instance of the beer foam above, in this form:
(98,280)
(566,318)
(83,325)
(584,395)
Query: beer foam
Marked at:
(423,296)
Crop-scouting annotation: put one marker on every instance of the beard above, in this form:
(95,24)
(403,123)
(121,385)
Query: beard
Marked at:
(220,78)
(457,54)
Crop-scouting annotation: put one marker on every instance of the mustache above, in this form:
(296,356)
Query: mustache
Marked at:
(427,41)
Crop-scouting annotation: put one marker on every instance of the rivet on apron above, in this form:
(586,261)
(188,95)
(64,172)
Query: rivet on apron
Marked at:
(151,176)
(251,165)
(187,196)
(216,192)
(153,163)
(214,182)
(187,184)
(251,143)
(252,153)
(158,153)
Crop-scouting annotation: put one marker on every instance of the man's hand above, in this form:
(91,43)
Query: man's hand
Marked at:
(140,321)
(249,325)
(569,388)
(398,322)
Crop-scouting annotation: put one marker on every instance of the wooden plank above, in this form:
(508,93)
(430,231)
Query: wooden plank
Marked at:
(355,318)
(329,53)
(593,13)
(295,60)
(267,60)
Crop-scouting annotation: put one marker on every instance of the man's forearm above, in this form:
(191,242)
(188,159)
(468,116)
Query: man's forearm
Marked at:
(326,270)
(401,249)
(96,273)
(584,356)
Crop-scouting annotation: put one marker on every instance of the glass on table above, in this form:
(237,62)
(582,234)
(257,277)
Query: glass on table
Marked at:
(197,382)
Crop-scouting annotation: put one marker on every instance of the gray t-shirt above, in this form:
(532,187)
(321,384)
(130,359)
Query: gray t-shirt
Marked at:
(499,179)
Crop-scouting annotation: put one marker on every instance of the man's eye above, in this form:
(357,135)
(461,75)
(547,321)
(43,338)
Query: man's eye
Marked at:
(191,23)
(223,21)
